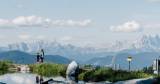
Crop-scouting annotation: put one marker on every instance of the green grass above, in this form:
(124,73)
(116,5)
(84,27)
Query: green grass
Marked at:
(107,74)
(4,67)
(48,69)
(96,75)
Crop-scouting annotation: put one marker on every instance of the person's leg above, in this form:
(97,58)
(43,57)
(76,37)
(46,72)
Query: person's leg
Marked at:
(37,58)
(42,59)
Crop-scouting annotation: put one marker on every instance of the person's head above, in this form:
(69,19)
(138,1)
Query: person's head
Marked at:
(42,50)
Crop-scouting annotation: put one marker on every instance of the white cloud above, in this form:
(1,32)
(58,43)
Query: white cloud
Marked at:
(29,21)
(130,26)
(24,36)
(71,23)
(31,37)
(36,21)
(5,23)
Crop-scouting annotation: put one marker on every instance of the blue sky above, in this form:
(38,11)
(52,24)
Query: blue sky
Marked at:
(80,22)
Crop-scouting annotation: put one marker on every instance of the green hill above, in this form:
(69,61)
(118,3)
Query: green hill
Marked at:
(26,58)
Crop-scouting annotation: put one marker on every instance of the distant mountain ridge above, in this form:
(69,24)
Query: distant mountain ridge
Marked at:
(139,60)
(146,43)
(25,58)
(144,46)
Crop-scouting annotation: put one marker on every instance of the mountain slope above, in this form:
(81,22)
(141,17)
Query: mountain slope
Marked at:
(139,61)
(100,61)
(25,58)
(53,47)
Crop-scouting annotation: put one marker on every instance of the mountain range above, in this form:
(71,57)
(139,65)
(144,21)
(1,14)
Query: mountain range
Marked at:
(145,48)
(146,43)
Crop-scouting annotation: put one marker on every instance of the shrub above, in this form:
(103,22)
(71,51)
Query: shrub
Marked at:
(4,67)
(107,74)
(48,69)
(95,75)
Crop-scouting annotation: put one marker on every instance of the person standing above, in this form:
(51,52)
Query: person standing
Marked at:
(38,57)
(42,55)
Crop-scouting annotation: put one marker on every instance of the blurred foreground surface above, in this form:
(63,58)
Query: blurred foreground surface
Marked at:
(25,78)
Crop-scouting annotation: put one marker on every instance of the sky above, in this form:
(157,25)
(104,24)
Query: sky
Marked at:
(79,22)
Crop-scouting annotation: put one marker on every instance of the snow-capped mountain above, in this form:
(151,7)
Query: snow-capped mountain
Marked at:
(143,44)
(52,48)
(146,43)
(147,46)
(118,46)
(49,46)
